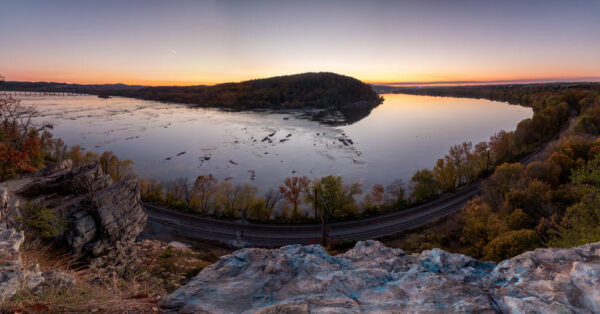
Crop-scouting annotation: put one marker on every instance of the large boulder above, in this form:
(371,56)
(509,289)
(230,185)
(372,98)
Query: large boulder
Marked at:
(99,212)
(374,278)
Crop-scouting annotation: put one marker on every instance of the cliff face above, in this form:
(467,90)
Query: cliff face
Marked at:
(375,278)
(99,212)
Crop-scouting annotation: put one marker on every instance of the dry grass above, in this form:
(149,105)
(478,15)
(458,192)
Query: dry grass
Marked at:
(137,290)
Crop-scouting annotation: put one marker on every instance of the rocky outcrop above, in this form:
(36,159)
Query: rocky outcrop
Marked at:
(99,212)
(375,278)
(16,276)
(13,275)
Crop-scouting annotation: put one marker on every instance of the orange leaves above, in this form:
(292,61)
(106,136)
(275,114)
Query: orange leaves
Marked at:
(15,158)
(292,189)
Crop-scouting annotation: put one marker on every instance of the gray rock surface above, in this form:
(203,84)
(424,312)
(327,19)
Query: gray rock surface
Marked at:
(58,279)
(13,274)
(16,276)
(374,278)
(100,212)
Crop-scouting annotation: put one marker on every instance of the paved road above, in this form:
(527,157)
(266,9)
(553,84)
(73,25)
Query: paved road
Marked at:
(169,224)
(195,227)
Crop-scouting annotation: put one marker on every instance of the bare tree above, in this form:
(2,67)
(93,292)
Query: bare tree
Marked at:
(184,189)
(395,192)
(292,190)
(246,199)
(272,197)
(204,188)
(15,119)
(229,196)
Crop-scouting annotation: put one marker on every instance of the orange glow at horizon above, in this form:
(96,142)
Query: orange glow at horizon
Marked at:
(211,42)
(101,77)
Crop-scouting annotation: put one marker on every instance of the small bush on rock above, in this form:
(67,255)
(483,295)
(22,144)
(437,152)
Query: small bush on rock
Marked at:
(40,221)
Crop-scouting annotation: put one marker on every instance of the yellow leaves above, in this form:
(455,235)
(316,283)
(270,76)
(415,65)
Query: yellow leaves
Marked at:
(510,244)
(481,224)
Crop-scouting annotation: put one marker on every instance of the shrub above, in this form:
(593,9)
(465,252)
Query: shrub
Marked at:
(41,221)
(510,244)
(589,121)
(518,220)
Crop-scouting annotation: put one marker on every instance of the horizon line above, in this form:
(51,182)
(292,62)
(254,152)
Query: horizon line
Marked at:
(591,79)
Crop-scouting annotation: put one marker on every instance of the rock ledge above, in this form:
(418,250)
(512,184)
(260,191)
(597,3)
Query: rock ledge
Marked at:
(374,278)
(116,216)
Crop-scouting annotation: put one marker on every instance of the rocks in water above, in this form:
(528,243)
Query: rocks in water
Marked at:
(99,211)
(374,278)
(346,141)
(267,139)
(204,158)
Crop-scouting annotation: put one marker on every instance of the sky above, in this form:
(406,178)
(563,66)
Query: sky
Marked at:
(207,42)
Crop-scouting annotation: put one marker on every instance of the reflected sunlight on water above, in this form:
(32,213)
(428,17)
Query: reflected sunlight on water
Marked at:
(404,134)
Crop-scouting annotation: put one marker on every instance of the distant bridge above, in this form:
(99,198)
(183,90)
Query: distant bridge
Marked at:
(39,93)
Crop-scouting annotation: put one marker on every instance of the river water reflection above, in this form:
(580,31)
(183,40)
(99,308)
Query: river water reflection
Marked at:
(404,134)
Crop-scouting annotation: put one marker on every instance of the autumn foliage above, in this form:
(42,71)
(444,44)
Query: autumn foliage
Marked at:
(19,140)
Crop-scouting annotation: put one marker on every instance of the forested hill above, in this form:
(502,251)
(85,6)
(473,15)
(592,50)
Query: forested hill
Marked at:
(307,90)
(521,94)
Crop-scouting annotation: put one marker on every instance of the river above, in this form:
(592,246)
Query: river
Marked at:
(165,141)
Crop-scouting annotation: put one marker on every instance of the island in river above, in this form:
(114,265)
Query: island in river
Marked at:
(326,95)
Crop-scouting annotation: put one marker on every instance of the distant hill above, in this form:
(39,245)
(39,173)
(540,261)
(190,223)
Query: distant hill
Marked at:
(329,91)
(66,88)
(307,90)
